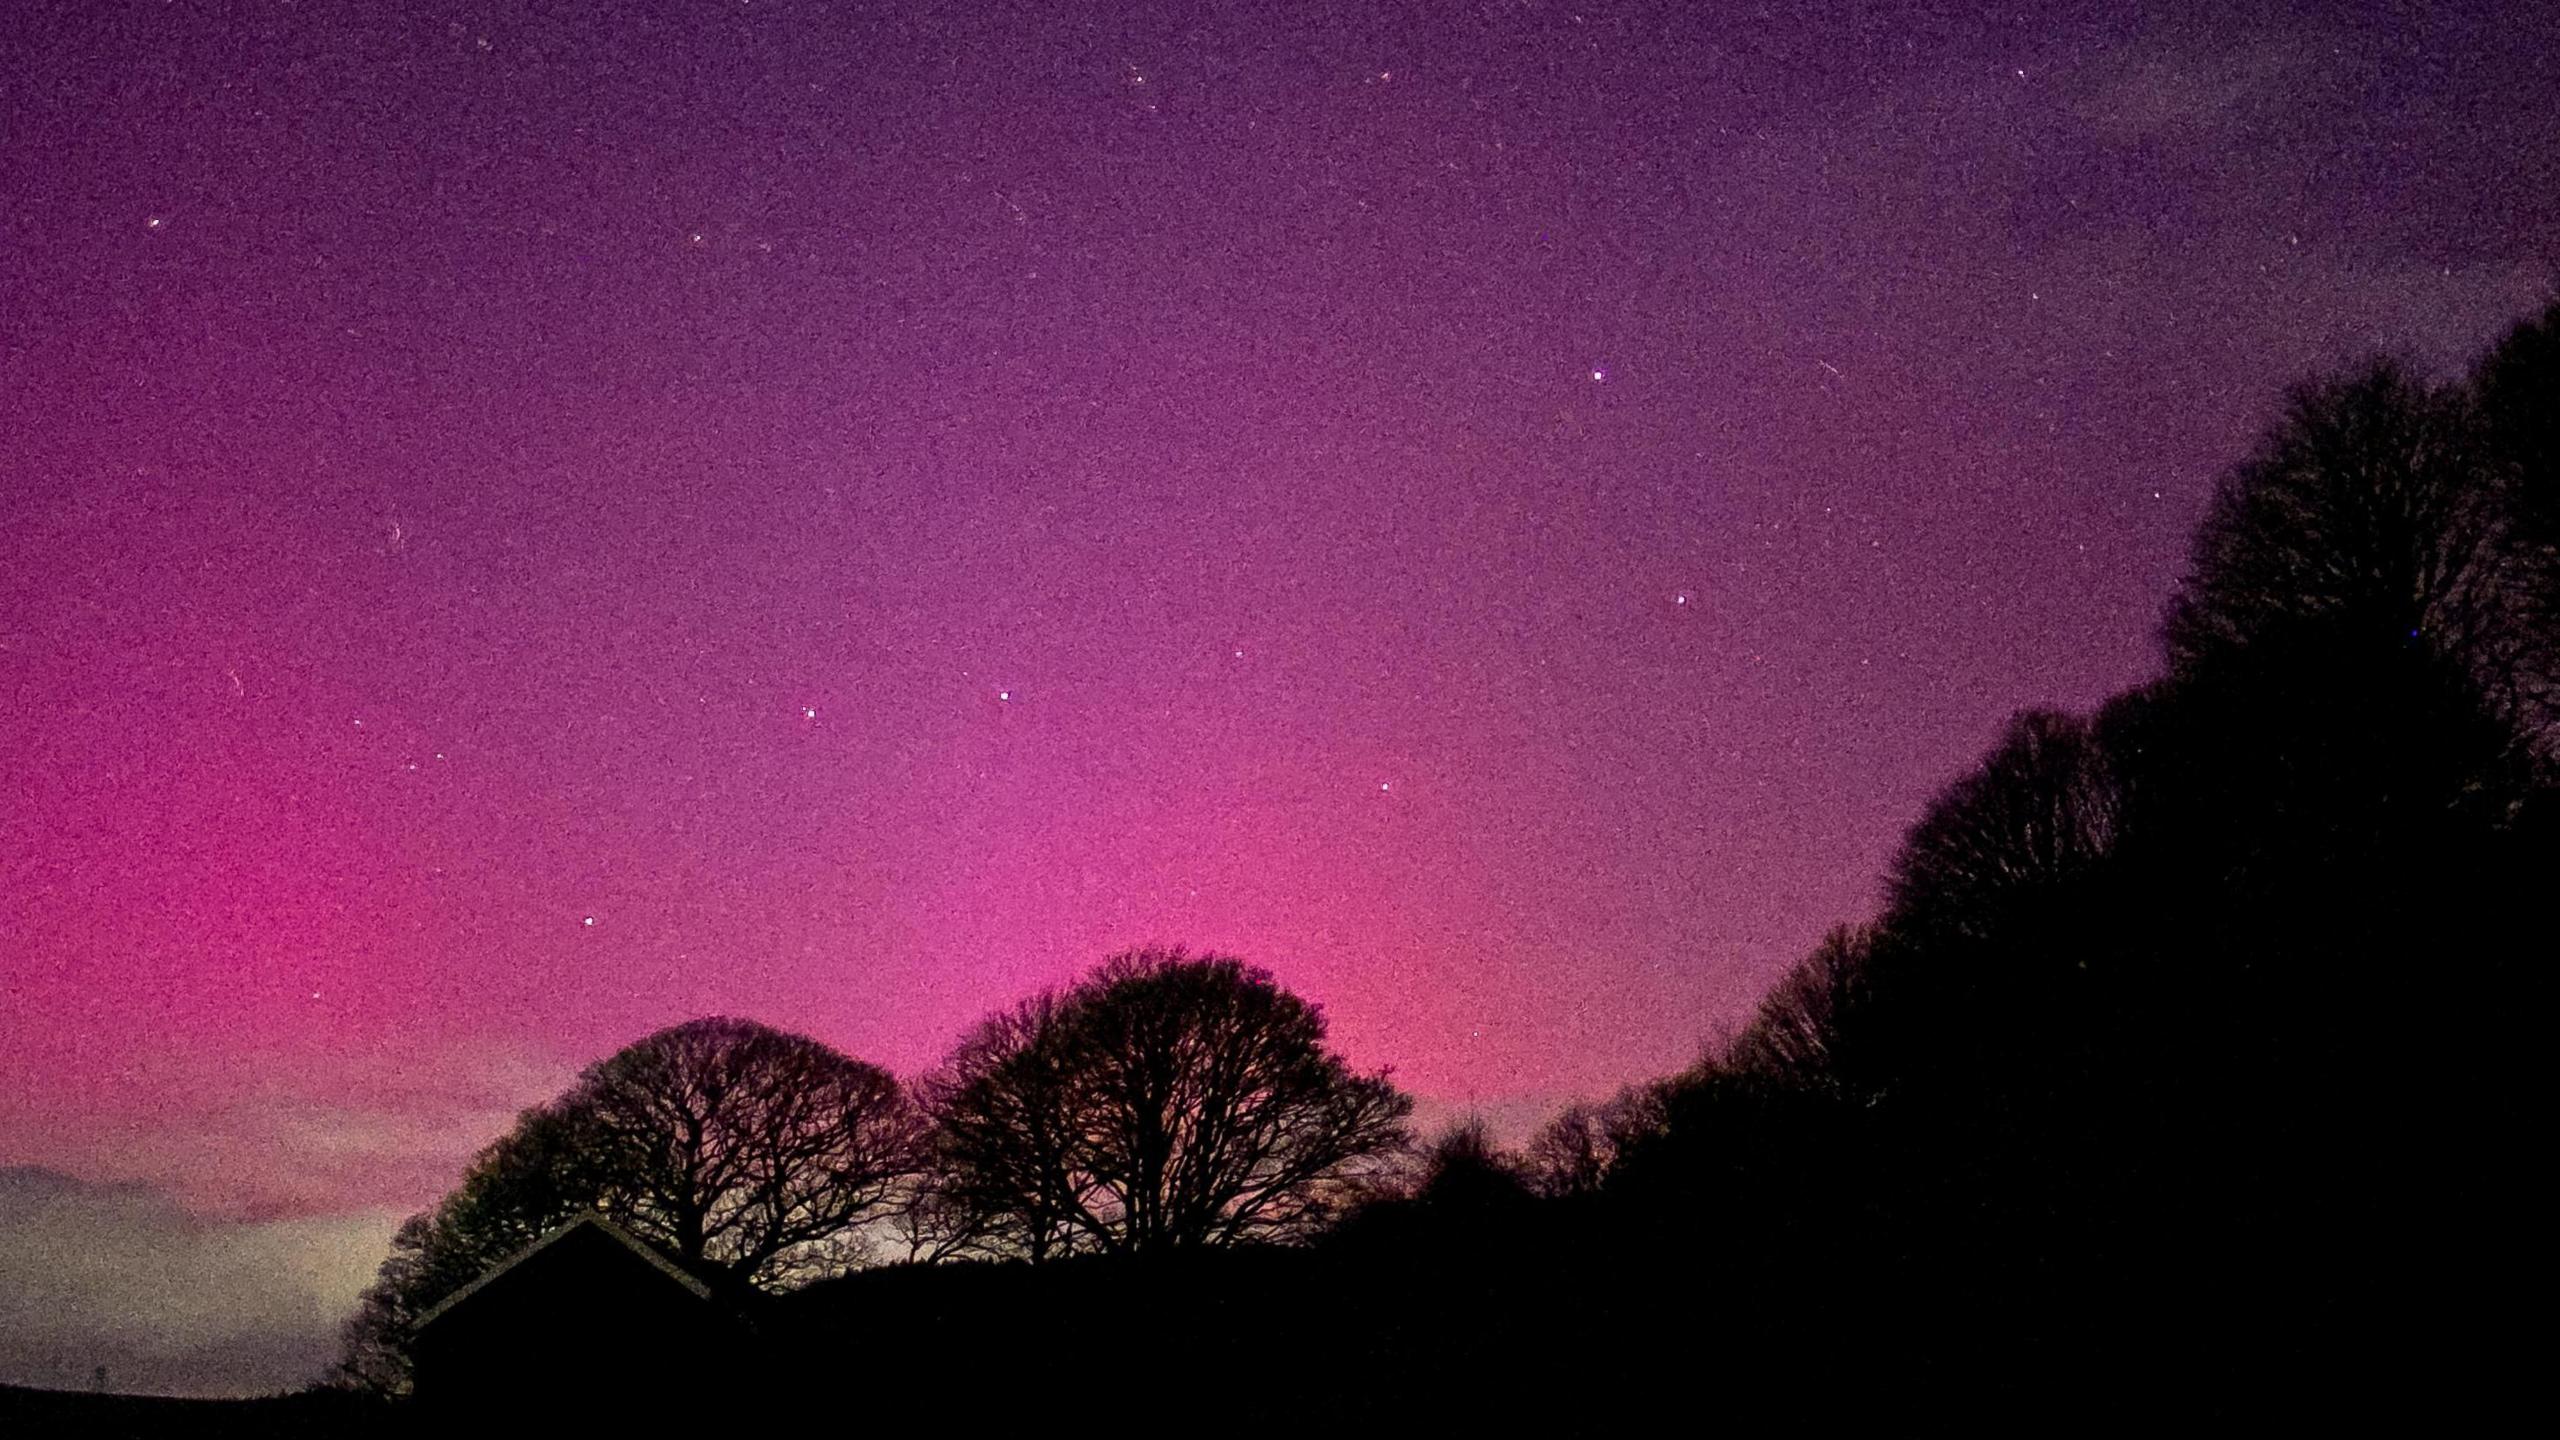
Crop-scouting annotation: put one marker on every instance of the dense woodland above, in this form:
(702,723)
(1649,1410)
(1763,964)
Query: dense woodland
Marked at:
(2183,1074)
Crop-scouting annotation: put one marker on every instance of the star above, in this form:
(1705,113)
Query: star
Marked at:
(808,712)
(589,922)
(1005,695)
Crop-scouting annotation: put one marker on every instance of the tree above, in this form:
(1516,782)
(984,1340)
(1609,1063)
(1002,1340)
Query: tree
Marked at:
(2516,390)
(1164,1102)
(374,1352)
(538,1175)
(1979,963)
(1801,1022)
(2367,511)
(2039,811)
(1006,1169)
(1575,1153)
(1465,1173)
(748,1150)
(752,1155)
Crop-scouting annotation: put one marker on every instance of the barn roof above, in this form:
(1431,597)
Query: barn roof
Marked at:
(591,1219)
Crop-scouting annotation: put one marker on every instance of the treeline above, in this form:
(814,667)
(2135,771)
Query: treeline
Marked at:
(1165,1102)
(2187,1062)
(2190,1061)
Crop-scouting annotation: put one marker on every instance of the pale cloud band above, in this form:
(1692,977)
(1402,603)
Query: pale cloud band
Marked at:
(218,1249)
(123,1277)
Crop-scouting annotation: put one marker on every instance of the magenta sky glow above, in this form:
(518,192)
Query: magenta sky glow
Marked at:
(522,523)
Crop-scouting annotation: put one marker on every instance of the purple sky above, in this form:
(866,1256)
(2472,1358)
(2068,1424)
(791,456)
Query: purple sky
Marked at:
(521,523)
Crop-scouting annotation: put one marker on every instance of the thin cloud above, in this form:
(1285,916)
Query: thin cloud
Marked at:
(122,1276)
(2194,93)
(380,1131)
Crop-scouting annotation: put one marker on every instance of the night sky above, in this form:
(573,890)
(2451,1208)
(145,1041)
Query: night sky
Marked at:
(521,523)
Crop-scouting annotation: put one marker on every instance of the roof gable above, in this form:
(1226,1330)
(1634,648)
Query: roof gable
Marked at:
(590,1220)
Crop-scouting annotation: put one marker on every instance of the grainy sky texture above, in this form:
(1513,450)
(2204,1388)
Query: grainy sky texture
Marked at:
(521,523)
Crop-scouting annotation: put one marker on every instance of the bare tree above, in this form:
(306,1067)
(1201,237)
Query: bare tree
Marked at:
(1464,1170)
(2369,509)
(1800,1021)
(1575,1153)
(753,1155)
(2518,388)
(1164,1102)
(374,1350)
(2516,395)
(748,1150)
(1007,1174)
(935,1222)
(2040,809)
(538,1175)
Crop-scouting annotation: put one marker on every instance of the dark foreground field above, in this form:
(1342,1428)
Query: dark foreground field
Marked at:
(1398,1340)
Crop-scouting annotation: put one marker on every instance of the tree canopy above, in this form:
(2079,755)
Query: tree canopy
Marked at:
(1166,1101)
(750,1154)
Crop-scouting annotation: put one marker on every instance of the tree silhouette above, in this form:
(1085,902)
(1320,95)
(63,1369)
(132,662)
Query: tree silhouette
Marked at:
(751,1154)
(1466,1174)
(373,1346)
(1574,1154)
(1164,1102)
(2150,1031)
(1806,1020)
(1979,965)
(1007,1176)
(2518,388)
(2517,393)
(2364,511)
(538,1175)
(745,1149)
(2128,988)
(2141,1034)
(2037,812)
